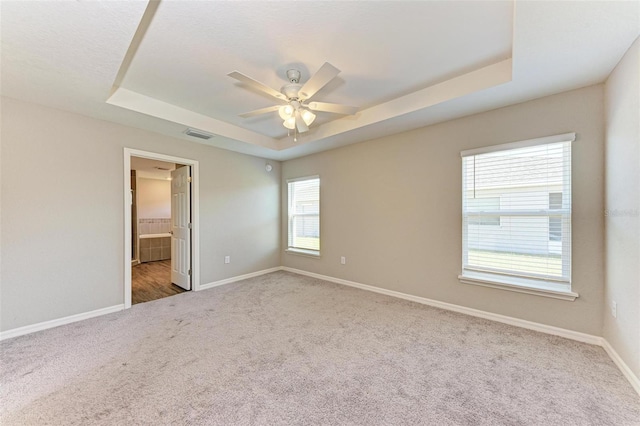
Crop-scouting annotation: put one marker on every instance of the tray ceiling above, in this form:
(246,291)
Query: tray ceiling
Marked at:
(163,66)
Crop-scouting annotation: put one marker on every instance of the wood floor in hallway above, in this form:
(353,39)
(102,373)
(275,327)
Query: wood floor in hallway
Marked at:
(151,281)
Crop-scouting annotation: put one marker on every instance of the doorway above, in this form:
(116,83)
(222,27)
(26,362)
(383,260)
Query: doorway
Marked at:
(161,226)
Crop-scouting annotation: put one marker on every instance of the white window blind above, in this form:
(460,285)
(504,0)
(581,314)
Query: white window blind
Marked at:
(517,211)
(304,214)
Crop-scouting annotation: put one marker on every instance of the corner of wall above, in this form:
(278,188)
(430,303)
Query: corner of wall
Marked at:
(622,211)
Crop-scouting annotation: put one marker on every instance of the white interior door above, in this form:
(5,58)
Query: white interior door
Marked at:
(181,227)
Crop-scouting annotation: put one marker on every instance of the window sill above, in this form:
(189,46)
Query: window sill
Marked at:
(520,285)
(303,252)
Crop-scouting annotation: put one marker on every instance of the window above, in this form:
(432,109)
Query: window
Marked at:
(516,210)
(304,215)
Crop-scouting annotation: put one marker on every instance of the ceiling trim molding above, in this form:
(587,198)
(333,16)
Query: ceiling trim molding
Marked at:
(134,101)
(474,81)
(145,21)
(480,79)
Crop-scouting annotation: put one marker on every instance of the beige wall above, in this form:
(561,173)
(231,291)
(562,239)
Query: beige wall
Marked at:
(623,208)
(62,211)
(154,198)
(392,206)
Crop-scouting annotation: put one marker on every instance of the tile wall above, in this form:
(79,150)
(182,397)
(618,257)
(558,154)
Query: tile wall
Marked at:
(152,249)
(154,226)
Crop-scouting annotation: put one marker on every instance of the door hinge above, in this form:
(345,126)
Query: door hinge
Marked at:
(189,225)
(189,179)
(189,273)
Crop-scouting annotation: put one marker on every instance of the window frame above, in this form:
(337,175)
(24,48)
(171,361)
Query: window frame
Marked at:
(292,215)
(524,283)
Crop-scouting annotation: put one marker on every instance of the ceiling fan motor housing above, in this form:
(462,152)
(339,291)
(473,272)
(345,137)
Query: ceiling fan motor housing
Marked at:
(293,76)
(291,90)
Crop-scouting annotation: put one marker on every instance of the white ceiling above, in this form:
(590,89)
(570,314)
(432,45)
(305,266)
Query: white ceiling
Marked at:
(152,169)
(405,64)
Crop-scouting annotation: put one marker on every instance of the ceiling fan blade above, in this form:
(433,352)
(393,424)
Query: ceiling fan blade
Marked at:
(325,74)
(335,108)
(260,111)
(300,124)
(256,84)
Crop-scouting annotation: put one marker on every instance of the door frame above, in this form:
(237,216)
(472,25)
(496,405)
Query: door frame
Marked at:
(195,215)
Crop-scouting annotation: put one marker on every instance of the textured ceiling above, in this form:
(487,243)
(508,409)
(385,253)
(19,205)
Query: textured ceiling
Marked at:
(152,169)
(385,51)
(164,66)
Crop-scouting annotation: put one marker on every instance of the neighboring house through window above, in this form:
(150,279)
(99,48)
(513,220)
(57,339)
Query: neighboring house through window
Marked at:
(304,215)
(516,208)
(555,222)
(482,204)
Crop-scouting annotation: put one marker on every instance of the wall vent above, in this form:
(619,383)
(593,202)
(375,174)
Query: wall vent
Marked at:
(198,134)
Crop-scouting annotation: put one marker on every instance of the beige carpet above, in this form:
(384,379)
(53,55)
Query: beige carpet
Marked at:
(286,349)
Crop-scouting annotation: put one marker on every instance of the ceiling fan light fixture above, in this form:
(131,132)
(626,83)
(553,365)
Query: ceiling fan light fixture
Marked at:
(290,123)
(300,124)
(285,111)
(308,117)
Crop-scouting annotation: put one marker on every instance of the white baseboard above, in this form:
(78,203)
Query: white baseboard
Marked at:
(548,329)
(20,331)
(624,368)
(239,278)
(556,331)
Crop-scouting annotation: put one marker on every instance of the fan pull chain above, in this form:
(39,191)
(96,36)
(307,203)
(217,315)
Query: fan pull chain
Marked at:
(295,134)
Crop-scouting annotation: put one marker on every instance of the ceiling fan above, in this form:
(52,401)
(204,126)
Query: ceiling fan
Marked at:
(297,110)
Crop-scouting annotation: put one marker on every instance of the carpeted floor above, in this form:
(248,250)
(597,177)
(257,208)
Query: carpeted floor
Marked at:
(287,349)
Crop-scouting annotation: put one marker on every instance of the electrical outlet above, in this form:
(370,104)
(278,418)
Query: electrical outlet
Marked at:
(614,309)
(343,260)
(227,259)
